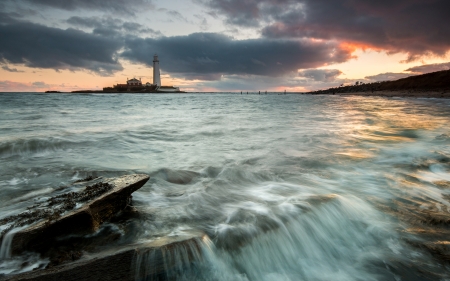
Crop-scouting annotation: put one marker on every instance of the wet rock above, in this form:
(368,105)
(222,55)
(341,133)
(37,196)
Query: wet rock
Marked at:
(176,176)
(55,206)
(100,202)
(73,247)
(158,260)
(443,184)
(439,249)
(430,222)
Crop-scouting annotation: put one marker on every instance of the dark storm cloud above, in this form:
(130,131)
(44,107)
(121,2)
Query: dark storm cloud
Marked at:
(39,46)
(205,56)
(8,18)
(417,27)
(121,6)
(212,54)
(250,13)
(239,12)
(422,69)
(199,76)
(322,75)
(108,26)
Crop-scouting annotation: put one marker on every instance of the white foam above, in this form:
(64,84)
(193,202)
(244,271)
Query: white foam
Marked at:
(5,248)
(33,194)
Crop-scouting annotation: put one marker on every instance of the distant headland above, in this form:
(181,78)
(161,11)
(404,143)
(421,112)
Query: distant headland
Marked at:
(432,85)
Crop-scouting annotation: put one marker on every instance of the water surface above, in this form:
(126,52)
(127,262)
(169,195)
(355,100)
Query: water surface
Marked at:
(287,187)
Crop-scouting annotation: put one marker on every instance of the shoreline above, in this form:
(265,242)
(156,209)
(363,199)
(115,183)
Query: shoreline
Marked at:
(390,94)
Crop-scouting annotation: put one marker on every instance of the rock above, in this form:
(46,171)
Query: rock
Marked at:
(439,249)
(158,260)
(96,209)
(176,176)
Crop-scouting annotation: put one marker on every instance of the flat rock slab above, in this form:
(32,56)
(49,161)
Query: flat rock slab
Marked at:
(157,260)
(85,219)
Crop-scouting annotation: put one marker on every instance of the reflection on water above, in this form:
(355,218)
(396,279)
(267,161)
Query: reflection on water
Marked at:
(286,187)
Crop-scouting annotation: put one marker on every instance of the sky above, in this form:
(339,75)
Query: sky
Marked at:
(219,45)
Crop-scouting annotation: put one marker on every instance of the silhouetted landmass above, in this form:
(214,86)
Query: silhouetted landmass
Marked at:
(434,82)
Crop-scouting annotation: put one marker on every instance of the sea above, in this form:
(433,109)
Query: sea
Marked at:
(283,186)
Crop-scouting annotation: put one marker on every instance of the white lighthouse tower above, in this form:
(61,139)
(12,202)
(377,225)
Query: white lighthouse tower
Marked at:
(156,73)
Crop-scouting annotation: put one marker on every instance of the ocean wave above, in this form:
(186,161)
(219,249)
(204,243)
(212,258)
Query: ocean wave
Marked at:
(32,117)
(36,146)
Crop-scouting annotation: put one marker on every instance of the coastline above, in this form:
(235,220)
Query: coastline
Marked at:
(389,94)
(401,94)
(430,85)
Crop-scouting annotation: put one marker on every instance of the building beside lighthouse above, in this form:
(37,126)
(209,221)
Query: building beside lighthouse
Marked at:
(135,85)
(134,82)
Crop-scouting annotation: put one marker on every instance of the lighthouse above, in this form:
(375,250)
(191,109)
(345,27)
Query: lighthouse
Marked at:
(156,73)
(134,85)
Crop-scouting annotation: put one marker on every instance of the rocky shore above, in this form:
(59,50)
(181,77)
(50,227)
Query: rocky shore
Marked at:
(156,260)
(66,229)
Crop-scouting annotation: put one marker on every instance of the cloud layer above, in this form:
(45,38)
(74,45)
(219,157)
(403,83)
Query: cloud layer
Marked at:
(296,37)
(109,26)
(388,76)
(39,46)
(429,68)
(322,75)
(212,55)
(417,27)
(121,6)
